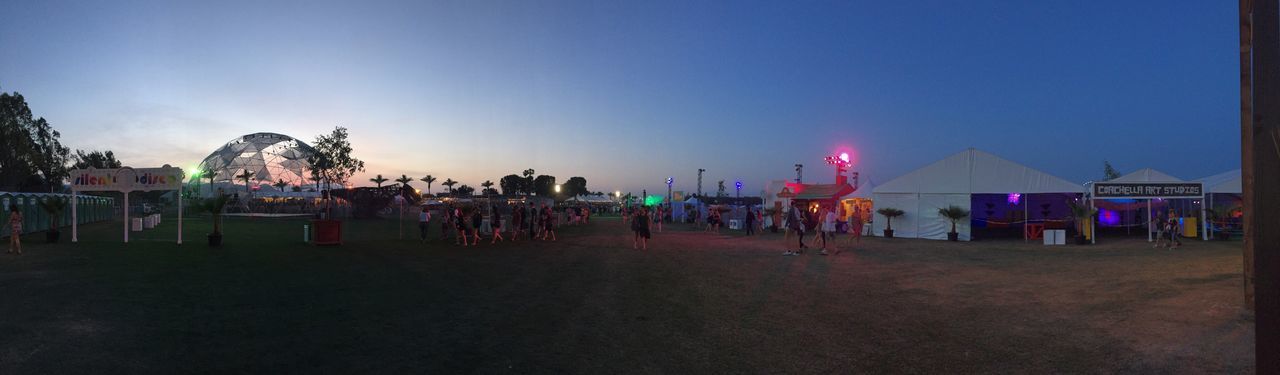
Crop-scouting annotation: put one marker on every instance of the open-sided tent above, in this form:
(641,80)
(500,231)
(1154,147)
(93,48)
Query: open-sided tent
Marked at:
(1223,194)
(955,180)
(1141,204)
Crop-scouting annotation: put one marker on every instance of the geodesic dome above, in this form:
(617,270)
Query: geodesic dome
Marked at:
(270,156)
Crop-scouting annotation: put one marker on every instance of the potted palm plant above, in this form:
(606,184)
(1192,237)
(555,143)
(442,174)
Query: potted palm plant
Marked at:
(214,206)
(54,207)
(953,214)
(1082,214)
(889,213)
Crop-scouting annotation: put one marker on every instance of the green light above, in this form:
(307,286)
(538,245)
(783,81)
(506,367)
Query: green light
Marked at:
(653,200)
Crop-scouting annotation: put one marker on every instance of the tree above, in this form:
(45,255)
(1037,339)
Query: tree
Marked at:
(32,157)
(51,155)
(332,161)
(576,186)
(96,159)
(1108,171)
(489,191)
(428,179)
(464,191)
(280,185)
(449,182)
(511,184)
(720,190)
(404,181)
(487,186)
(246,176)
(953,214)
(528,186)
(378,180)
(889,213)
(544,185)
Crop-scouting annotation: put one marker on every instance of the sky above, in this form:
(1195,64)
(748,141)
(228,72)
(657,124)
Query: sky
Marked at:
(626,94)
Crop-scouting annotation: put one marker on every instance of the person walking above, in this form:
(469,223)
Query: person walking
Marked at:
(517,221)
(657,218)
(15,230)
(548,224)
(795,222)
(495,223)
(751,222)
(855,228)
(642,229)
(424,218)
(462,225)
(476,222)
(445,222)
(828,228)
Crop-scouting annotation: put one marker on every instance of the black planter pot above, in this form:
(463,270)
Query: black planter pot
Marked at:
(52,236)
(888,233)
(953,236)
(215,239)
(1081,240)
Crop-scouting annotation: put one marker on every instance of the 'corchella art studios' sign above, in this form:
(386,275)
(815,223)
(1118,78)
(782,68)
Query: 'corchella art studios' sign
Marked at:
(1148,190)
(127,179)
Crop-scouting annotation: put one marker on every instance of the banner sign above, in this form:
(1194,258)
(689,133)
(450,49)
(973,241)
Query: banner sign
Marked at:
(1148,190)
(127,179)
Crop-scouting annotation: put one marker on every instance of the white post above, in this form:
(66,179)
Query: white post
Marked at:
(1093,227)
(74,222)
(1026,218)
(1204,224)
(179,216)
(126,217)
(1149,218)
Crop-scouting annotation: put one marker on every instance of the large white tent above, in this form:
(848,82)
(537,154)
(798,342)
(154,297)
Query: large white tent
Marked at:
(1228,182)
(952,181)
(1155,176)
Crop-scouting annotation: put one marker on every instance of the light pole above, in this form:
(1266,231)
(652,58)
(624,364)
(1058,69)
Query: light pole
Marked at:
(669,181)
(799,172)
(700,170)
(738,184)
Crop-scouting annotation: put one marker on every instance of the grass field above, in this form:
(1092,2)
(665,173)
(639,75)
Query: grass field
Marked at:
(588,303)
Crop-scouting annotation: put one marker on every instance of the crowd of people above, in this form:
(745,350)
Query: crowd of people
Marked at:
(465,224)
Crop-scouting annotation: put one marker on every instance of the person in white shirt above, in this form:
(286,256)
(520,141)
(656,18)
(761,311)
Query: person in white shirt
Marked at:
(828,228)
(423,218)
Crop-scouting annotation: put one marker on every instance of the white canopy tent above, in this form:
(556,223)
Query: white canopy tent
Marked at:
(1149,176)
(952,181)
(1228,182)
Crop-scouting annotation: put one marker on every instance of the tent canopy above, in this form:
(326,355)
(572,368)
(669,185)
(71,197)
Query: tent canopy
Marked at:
(1146,175)
(975,171)
(865,185)
(821,191)
(1226,182)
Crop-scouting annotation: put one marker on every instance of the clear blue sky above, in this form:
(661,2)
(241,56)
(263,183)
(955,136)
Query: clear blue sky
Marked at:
(628,94)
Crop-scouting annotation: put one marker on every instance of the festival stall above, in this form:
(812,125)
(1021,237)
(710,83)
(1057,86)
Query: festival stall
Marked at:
(1223,196)
(974,177)
(859,202)
(1139,196)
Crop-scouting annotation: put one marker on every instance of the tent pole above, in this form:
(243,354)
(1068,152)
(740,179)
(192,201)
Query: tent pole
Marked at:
(1149,219)
(1093,228)
(1026,218)
(74,223)
(1204,225)
(126,217)
(179,216)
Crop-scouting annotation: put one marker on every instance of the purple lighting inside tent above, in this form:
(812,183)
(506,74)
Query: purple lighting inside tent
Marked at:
(1108,217)
(1014,198)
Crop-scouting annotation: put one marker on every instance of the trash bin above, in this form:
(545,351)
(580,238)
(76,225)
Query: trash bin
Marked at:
(306,232)
(136,224)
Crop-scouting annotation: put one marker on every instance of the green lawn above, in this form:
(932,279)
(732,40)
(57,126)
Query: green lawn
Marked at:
(588,303)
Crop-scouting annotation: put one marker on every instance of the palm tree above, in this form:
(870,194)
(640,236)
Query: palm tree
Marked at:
(246,176)
(378,180)
(280,185)
(487,184)
(449,182)
(429,179)
(953,214)
(404,181)
(889,213)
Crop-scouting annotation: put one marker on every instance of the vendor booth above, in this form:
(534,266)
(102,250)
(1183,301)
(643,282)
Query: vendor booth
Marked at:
(859,203)
(1146,195)
(1223,196)
(1004,198)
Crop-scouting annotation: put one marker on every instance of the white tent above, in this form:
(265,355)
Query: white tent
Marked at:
(952,181)
(1228,182)
(1146,175)
(865,186)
